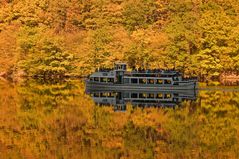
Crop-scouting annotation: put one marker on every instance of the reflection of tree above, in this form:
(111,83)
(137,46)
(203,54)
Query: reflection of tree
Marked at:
(42,119)
(47,93)
(52,117)
(210,130)
(139,140)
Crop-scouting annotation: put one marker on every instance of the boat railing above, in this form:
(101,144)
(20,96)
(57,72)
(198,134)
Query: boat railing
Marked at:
(101,69)
(148,71)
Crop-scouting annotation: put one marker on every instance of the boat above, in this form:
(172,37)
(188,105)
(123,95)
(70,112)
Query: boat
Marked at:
(143,99)
(141,79)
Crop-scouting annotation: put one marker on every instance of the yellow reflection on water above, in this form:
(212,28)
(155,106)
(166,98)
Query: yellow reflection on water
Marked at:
(56,119)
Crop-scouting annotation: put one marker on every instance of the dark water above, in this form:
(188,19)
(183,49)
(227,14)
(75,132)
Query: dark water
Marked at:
(60,119)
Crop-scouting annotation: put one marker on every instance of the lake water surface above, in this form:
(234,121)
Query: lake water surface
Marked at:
(61,119)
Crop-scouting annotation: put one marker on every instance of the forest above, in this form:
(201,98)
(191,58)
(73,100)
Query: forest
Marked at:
(74,37)
(56,118)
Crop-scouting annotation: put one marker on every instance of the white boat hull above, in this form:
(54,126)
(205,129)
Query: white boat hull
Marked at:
(181,86)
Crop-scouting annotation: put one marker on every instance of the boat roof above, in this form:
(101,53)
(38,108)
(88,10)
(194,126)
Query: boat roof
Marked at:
(120,63)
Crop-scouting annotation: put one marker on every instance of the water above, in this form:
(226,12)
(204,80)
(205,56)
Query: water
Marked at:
(60,119)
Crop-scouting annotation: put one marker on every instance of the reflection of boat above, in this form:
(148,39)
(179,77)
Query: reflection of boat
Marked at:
(119,99)
(155,79)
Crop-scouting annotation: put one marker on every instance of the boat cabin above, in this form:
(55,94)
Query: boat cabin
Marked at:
(120,66)
(120,75)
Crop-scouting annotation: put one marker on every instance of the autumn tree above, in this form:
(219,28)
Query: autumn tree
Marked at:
(42,55)
(218,44)
(138,14)
(99,52)
(183,35)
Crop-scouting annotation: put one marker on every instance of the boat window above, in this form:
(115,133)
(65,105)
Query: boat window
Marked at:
(91,79)
(103,94)
(158,75)
(159,95)
(142,95)
(142,81)
(159,81)
(96,79)
(103,79)
(110,94)
(151,95)
(124,67)
(167,82)
(167,95)
(150,81)
(110,80)
(126,80)
(126,95)
(119,67)
(175,78)
(96,95)
(134,95)
(134,80)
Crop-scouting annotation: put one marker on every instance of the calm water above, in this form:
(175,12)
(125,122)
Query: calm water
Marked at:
(60,119)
